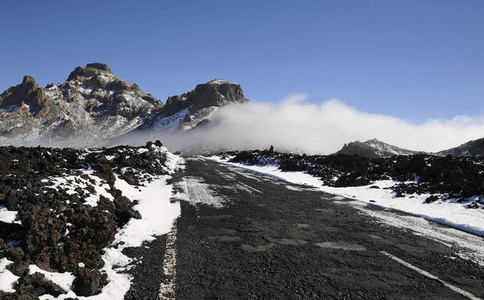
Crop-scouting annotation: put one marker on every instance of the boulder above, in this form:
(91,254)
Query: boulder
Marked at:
(88,282)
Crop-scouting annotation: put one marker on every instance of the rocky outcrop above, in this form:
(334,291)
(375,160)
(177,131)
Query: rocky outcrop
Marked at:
(215,93)
(373,149)
(63,221)
(29,93)
(89,70)
(194,109)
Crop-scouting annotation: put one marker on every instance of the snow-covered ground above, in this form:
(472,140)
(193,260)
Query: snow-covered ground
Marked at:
(449,213)
(157,217)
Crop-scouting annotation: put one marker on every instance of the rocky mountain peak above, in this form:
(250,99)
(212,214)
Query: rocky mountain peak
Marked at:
(90,70)
(99,66)
(217,92)
(220,81)
(29,81)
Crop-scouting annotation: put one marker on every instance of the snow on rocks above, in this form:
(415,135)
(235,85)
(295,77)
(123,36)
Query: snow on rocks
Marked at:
(67,214)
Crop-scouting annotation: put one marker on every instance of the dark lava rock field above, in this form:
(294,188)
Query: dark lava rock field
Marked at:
(57,227)
(443,178)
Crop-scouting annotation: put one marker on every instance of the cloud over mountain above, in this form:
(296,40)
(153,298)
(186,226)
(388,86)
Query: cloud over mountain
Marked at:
(294,125)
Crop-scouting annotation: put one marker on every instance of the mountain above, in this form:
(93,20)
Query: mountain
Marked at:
(373,149)
(94,105)
(194,108)
(473,148)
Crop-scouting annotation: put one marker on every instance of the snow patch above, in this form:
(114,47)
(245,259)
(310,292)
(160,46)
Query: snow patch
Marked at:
(8,216)
(7,279)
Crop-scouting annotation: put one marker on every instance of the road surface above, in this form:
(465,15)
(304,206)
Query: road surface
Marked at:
(242,235)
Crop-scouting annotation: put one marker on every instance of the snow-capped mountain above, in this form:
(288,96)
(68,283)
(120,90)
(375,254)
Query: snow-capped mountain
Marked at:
(473,148)
(94,105)
(374,149)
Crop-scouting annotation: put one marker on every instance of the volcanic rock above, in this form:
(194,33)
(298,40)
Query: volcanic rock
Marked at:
(373,149)
(88,282)
(28,93)
(472,148)
(215,93)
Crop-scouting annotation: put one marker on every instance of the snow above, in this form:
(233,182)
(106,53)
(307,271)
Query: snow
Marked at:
(63,280)
(195,191)
(7,279)
(84,89)
(220,81)
(8,216)
(198,116)
(157,215)
(71,182)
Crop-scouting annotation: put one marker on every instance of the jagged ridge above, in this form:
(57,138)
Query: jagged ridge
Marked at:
(93,105)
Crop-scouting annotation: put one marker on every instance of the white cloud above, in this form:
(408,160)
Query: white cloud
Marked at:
(294,125)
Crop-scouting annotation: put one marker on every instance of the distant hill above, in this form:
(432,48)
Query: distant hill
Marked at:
(374,149)
(473,148)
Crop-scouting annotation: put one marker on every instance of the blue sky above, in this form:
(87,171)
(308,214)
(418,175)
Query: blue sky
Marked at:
(414,60)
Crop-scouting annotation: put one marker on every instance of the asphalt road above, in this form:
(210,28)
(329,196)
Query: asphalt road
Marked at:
(242,235)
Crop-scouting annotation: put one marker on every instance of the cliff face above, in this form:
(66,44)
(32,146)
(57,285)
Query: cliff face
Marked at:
(215,93)
(27,93)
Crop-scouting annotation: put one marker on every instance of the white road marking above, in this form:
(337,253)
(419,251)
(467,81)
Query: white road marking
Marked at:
(427,274)
(228,176)
(247,188)
(167,287)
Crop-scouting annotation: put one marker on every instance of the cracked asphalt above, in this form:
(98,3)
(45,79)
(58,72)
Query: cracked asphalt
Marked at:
(243,235)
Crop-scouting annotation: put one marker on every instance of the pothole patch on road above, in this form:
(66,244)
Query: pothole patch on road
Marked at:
(216,217)
(409,248)
(224,238)
(341,246)
(267,222)
(302,225)
(222,231)
(260,248)
(332,229)
(379,240)
(292,242)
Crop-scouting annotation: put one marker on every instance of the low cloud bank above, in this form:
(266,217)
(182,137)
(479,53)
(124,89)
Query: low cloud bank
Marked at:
(293,125)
